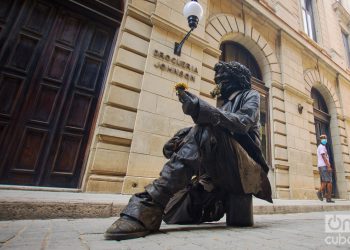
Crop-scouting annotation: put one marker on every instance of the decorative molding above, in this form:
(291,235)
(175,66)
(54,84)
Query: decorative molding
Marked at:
(212,51)
(341,12)
(100,177)
(280,133)
(315,44)
(281,167)
(114,135)
(214,24)
(278,109)
(267,4)
(138,14)
(277,85)
(278,98)
(280,146)
(297,92)
(312,76)
(280,121)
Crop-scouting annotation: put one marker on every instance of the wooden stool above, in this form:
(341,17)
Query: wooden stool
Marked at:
(239,210)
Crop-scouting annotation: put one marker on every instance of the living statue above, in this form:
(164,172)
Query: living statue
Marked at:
(222,150)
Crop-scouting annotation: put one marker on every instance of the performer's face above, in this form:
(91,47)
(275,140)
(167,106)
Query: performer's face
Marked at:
(226,84)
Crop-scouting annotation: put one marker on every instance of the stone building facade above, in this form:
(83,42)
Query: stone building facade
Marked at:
(140,110)
(301,50)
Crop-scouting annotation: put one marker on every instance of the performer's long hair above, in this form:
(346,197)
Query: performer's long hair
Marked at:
(238,73)
(230,77)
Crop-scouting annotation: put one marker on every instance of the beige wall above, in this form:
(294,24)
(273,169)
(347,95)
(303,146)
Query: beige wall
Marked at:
(110,151)
(346,4)
(140,110)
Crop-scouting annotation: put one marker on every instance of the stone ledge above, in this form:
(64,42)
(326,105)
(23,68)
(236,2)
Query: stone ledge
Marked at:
(288,209)
(54,210)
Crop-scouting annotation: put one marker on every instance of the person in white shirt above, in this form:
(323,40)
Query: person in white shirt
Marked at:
(325,170)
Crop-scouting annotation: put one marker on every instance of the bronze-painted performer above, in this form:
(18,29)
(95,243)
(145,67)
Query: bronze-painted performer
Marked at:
(222,150)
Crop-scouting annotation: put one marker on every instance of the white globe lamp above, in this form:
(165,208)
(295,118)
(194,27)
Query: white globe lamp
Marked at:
(193,11)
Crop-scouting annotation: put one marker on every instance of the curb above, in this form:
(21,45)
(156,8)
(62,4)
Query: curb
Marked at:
(290,209)
(75,210)
(57,210)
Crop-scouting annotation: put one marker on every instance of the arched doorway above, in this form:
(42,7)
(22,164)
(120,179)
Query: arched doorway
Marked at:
(232,51)
(322,122)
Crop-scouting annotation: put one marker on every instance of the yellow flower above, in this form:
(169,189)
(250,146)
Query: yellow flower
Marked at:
(181,86)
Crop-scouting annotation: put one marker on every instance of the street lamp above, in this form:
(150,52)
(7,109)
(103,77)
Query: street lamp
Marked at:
(193,11)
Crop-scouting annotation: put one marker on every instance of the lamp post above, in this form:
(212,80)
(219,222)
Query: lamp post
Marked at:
(193,11)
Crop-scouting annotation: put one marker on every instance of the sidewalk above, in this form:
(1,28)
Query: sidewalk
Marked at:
(28,204)
(301,231)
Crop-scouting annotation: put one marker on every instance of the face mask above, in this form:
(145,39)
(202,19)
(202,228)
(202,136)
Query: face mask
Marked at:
(324,141)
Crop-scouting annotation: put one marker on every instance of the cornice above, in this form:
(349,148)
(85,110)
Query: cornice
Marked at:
(138,14)
(342,13)
(295,91)
(277,85)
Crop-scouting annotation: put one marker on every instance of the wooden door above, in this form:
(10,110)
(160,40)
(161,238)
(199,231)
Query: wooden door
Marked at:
(52,65)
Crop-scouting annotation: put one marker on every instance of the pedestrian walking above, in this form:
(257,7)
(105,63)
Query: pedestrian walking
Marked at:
(325,170)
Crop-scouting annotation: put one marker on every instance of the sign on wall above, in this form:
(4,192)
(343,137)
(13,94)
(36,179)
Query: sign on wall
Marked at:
(175,66)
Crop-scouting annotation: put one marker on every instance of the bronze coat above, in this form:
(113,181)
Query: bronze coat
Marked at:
(240,117)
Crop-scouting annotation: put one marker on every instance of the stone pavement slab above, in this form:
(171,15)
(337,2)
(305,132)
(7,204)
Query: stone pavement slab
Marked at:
(279,231)
(50,204)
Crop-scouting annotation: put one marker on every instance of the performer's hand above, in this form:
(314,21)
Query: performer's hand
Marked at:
(189,102)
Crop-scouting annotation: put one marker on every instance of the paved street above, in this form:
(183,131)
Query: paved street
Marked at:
(288,231)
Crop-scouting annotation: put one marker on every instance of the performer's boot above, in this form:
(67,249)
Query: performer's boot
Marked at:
(126,228)
(140,217)
(144,212)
